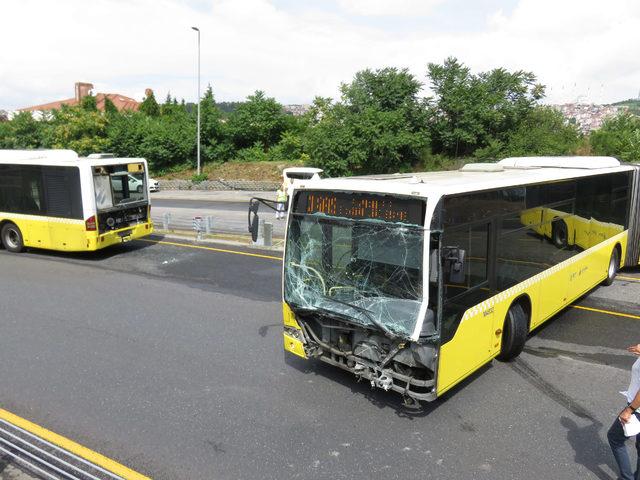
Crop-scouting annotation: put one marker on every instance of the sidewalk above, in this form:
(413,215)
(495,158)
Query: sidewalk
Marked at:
(211,195)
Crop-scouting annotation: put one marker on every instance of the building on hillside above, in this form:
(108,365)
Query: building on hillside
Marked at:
(588,116)
(82,89)
(296,109)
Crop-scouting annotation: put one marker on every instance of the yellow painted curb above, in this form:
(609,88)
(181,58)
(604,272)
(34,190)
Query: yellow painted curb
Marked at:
(632,279)
(201,247)
(71,446)
(608,312)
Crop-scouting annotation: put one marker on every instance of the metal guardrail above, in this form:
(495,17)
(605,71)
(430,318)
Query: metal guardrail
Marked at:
(46,460)
(201,226)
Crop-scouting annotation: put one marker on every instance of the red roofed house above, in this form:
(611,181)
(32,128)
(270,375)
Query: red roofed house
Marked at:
(121,102)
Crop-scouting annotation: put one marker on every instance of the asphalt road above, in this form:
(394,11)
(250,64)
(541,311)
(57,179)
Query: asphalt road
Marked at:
(169,360)
(229,217)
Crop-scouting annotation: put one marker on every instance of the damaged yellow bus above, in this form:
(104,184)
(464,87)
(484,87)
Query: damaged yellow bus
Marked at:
(53,199)
(413,282)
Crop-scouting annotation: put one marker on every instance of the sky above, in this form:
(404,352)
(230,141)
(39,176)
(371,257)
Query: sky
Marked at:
(584,51)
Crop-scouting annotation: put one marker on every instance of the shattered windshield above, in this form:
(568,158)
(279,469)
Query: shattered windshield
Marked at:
(366,271)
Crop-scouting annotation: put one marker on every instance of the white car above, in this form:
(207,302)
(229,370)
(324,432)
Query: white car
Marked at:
(292,175)
(154,185)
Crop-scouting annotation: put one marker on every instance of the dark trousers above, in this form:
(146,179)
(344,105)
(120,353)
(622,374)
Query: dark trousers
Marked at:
(617,440)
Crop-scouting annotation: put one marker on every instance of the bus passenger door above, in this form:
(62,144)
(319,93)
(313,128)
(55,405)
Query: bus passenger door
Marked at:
(467,321)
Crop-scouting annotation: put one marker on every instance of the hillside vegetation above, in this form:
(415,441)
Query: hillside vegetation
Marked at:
(380,123)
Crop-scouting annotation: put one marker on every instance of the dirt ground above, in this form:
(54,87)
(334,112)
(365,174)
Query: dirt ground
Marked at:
(265,171)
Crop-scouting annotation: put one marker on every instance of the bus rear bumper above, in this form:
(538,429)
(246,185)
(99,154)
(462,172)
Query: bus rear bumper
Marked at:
(116,237)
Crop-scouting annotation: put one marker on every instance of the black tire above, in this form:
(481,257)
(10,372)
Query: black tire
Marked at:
(612,268)
(514,333)
(559,234)
(139,189)
(12,238)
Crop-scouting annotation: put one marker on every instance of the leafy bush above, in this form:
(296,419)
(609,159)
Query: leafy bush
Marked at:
(198,178)
(380,125)
(255,153)
(618,137)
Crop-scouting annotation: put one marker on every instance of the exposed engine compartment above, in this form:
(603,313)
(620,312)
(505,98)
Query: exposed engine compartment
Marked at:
(390,364)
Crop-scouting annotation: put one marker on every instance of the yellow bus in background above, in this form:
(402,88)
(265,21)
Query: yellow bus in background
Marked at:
(414,281)
(53,199)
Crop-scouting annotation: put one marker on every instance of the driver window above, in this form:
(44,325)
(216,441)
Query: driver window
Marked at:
(465,251)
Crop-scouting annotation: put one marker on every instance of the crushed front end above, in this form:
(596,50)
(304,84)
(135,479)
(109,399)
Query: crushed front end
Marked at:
(353,289)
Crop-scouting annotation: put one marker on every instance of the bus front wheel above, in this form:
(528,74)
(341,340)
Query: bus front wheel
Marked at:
(612,269)
(514,333)
(12,238)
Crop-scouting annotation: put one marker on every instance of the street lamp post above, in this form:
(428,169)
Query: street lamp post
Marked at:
(198,30)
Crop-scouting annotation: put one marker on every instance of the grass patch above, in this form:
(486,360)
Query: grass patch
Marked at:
(258,171)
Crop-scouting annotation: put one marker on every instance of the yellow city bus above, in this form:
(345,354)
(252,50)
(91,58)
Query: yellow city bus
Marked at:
(413,282)
(52,199)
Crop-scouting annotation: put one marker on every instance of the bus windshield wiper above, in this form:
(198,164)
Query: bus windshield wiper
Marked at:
(367,313)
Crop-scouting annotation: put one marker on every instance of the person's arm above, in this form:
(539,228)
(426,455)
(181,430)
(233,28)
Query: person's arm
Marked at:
(627,411)
(625,414)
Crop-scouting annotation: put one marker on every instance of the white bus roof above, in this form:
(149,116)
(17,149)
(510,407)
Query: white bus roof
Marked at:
(473,177)
(59,157)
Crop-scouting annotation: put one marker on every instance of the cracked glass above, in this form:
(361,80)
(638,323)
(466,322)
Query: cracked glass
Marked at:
(366,271)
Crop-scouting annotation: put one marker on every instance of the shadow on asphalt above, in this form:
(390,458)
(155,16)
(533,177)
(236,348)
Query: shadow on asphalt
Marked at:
(376,396)
(97,256)
(590,451)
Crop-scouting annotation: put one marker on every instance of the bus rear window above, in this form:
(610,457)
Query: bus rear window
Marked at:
(117,185)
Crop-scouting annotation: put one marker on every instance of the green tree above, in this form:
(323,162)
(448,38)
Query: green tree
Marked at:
(214,136)
(379,125)
(258,120)
(24,131)
(109,108)
(470,111)
(165,141)
(618,137)
(543,131)
(149,105)
(88,103)
(78,129)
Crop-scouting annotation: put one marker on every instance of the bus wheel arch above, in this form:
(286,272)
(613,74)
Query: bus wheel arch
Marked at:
(516,328)
(11,237)
(613,265)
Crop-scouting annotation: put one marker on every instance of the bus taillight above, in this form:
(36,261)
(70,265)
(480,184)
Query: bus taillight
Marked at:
(90,224)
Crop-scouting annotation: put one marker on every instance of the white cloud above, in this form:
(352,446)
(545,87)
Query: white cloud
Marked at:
(580,49)
(389,7)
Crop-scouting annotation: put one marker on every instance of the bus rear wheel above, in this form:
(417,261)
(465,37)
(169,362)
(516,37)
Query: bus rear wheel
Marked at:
(514,333)
(612,269)
(12,238)
(559,233)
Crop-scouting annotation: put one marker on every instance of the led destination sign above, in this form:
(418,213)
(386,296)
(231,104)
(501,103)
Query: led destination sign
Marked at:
(361,206)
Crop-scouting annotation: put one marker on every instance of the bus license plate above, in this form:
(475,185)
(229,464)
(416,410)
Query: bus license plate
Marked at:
(125,236)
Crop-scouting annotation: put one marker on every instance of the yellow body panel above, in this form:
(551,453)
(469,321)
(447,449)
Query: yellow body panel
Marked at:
(294,345)
(476,341)
(69,235)
(288,317)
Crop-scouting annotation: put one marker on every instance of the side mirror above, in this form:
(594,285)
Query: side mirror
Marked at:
(253,219)
(453,264)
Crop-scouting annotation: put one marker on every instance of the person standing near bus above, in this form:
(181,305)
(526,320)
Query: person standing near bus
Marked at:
(616,434)
(281,198)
